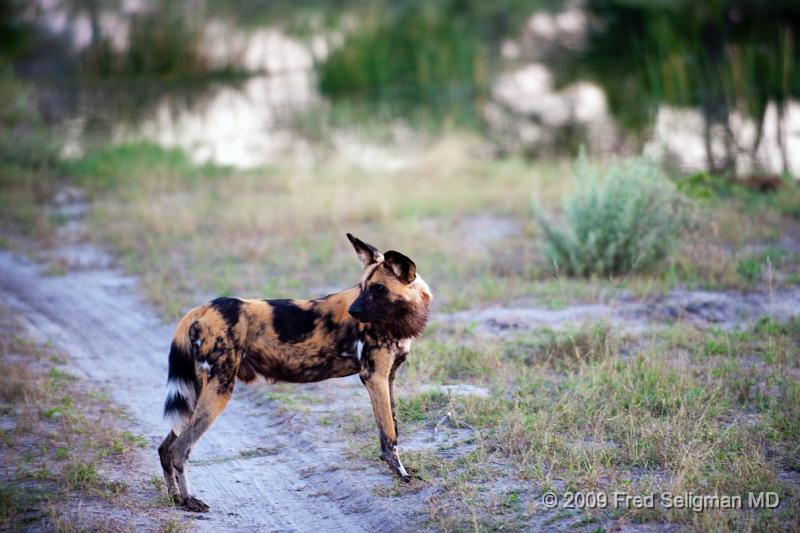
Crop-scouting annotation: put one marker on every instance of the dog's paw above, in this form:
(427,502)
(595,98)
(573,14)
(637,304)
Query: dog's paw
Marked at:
(408,476)
(412,475)
(194,505)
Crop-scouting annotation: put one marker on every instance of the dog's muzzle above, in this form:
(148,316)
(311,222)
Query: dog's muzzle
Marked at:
(356,311)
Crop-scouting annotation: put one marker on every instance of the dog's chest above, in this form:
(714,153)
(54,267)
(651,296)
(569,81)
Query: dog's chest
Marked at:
(360,348)
(356,349)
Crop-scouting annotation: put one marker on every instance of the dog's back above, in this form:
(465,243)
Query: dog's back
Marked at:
(298,341)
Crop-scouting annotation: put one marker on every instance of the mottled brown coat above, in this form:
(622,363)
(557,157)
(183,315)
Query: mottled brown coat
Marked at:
(366,330)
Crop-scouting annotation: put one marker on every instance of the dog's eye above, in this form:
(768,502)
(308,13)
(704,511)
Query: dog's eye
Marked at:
(378,291)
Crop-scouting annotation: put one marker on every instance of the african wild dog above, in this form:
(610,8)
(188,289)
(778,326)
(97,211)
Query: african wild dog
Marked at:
(365,330)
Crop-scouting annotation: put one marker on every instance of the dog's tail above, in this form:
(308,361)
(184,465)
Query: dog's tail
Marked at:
(183,384)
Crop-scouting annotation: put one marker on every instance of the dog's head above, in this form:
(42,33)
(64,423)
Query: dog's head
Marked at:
(392,296)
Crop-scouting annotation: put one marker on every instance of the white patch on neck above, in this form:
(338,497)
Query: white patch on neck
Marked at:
(356,350)
(359,348)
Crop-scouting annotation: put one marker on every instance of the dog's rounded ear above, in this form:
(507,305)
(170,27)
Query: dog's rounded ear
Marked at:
(367,253)
(402,267)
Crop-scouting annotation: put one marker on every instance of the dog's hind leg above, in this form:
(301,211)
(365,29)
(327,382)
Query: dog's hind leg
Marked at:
(166,463)
(213,399)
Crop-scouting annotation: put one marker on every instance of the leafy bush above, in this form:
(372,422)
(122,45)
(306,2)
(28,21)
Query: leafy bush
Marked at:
(621,218)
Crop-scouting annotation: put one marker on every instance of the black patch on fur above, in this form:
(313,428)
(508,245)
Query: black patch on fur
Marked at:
(367,363)
(344,335)
(176,403)
(291,323)
(229,308)
(195,332)
(387,446)
(330,325)
(163,452)
(220,347)
(347,338)
(399,359)
(181,369)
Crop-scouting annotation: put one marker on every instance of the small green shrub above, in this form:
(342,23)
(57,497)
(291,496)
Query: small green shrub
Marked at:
(80,475)
(622,217)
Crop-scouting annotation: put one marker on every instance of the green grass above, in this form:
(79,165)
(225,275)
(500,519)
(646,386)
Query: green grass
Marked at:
(20,506)
(61,444)
(80,475)
(565,348)
(193,231)
(583,409)
(110,167)
(419,407)
(751,268)
(278,231)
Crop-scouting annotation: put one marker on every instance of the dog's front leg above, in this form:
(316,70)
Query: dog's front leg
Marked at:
(375,377)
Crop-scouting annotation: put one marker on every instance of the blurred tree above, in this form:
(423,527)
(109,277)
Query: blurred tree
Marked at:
(15,33)
(721,56)
(423,51)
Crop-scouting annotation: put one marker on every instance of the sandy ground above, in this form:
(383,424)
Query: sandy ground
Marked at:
(260,467)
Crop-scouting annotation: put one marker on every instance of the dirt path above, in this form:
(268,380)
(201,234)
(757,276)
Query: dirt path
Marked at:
(257,469)
(726,310)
